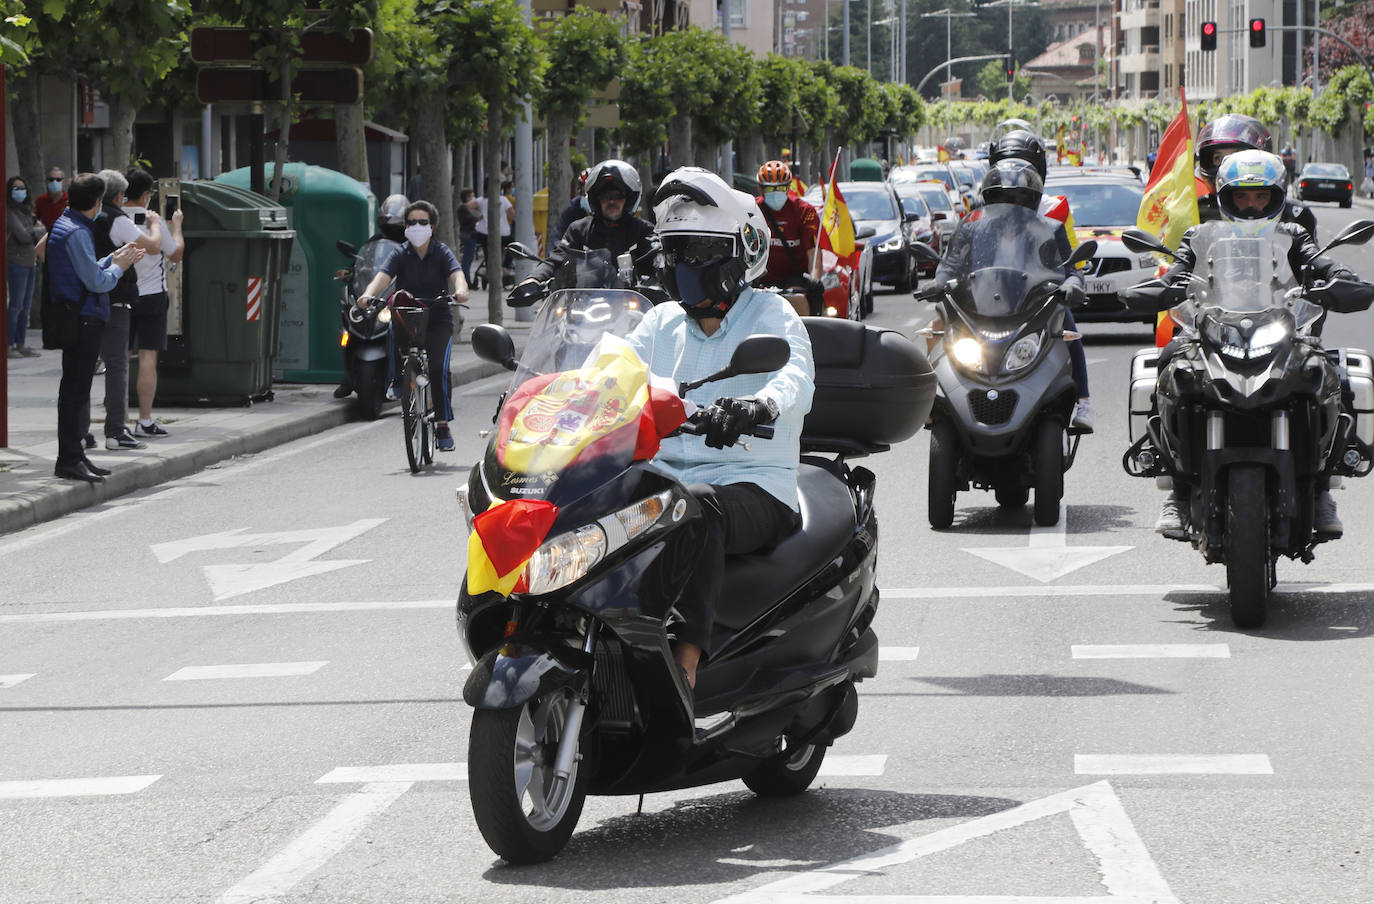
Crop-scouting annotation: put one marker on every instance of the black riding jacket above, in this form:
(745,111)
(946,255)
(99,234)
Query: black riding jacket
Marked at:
(629,233)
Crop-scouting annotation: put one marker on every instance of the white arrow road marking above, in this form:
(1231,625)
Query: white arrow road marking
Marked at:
(397,772)
(1049,556)
(76,787)
(234,580)
(247,670)
(1128,872)
(897,654)
(12,680)
(1172,764)
(1152,651)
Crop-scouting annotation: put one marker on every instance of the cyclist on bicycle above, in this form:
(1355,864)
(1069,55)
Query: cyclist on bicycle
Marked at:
(426,269)
(613,196)
(793,225)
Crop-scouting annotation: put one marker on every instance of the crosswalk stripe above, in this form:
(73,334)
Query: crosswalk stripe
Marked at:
(854,765)
(246,670)
(75,787)
(1172,764)
(1152,651)
(897,654)
(397,772)
(12,680)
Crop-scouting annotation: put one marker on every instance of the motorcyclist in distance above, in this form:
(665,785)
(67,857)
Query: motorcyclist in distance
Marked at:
(711,251)
(613,195)
(793,226)
(1251,191)
(1219,139)
(391,227)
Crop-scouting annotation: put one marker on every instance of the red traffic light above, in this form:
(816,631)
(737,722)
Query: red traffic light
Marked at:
(1209,36)
(1209,28)
(1257,35)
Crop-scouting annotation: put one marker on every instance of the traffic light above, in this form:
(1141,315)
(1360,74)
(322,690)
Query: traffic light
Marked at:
(1209,36)
(1009,67)
(1256,32)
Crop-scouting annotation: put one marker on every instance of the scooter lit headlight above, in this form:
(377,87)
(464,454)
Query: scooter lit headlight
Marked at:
(384,315)
(1021,353)
(968,352)
(566,558)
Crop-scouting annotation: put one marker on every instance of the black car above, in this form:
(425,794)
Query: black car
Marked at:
(875,204)
(1326,182)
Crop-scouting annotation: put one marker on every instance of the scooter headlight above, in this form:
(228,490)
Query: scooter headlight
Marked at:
(384,315)
(1021,353)
(566,558)
(968,352)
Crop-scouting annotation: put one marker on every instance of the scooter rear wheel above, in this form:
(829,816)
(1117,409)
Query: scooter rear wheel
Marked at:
(790,772)
(524,812)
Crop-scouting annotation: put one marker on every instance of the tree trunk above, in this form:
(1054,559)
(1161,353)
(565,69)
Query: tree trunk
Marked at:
(122,115)
(707,155)
(680,141)
(288,112)
(352,141)
(463,176)
(559,133)
(753,153)
(645,164)
(28,137)
(496,128)
(433,165)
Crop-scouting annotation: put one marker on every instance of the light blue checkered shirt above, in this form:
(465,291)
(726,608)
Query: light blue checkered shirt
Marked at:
(682,352)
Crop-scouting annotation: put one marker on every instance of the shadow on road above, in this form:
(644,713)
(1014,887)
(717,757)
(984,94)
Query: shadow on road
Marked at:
(1023,686)
(1297,612)
(737,836)
(997,521)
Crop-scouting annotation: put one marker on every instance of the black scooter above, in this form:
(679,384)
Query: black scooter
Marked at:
(364,331)
(574,685)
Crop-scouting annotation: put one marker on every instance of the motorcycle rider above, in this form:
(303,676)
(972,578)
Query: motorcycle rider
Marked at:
(426,268)
(575,210)
(390,228)
(793,226)
(613,195)
(711,252)
(1222,137)
(1251,192)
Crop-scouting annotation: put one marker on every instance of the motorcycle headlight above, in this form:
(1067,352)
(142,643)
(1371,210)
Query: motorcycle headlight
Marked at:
(384,315)
(566,558)
(1266,336)
(830,280)
(892,244)
(1021,353)
(968,352)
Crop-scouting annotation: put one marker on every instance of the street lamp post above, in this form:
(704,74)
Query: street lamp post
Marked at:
(948,14)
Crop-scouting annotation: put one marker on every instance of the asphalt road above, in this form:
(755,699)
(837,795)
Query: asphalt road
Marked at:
(245,686)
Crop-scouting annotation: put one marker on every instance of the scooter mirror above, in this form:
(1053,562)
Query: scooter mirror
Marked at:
(1084,252)
(520,250)
(492,343)
(1357,233)
(760,355)
(920,251)
(1141,242)
(346,249)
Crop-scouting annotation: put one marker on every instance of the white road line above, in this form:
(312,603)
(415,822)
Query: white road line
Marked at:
(854,765)
(314,847)
(397,772)
(1000,593)
(1172,764)
(897,654)
(75,787)
(206,611)
(12,680)
(1152,651)
(246,670)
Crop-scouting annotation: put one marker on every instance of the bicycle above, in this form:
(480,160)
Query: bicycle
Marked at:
(409,327)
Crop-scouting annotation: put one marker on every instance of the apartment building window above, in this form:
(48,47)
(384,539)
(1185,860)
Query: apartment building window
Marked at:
(739,13)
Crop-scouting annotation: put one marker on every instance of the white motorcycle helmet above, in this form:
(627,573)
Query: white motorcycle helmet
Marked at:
(713,237)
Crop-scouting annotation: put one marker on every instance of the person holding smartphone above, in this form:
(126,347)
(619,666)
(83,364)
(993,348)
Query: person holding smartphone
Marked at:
(148,321)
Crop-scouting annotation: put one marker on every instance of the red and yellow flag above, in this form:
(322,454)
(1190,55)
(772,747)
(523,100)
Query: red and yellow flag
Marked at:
(837,229)
(942,154)
(503,539)
(1169,206)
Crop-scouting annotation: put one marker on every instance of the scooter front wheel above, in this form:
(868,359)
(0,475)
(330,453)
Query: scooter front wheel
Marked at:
(524,810)
(1049,471)
(944,463)
(790,772)
(371,386)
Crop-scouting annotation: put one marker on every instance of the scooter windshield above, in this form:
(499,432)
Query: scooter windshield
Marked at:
(1002,259)
(574,413)
(1241,274)
(591,269)
(371,257)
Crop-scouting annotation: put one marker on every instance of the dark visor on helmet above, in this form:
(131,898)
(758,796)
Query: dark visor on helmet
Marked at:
(697,250)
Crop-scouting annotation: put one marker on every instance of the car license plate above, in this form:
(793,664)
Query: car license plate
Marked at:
(1326,185)
(1101,287)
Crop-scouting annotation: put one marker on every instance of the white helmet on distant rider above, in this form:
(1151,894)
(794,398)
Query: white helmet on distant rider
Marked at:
(714,241)
(391,217)
(1251,187)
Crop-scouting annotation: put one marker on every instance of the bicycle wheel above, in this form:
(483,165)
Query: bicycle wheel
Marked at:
(413,413)
(427,423)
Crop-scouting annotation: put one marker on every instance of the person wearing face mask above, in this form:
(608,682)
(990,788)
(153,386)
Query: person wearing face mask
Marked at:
(612,195)
(426,269)
(1218,140)
(49,206)
(793,225)
(714,243)
(24,233)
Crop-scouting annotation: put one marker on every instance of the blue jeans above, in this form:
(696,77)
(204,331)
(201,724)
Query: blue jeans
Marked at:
(22,281)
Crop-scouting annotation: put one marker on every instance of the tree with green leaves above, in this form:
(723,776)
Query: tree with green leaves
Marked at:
(585,52)
(732,103)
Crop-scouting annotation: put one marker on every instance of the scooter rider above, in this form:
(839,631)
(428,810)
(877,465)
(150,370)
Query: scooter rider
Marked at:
(1219,139)
(1251,191)
(613,195)
(390,228)
(793,226)
(711,252)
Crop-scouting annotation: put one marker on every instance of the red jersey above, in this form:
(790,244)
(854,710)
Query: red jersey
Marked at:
(792,238)
(49,210)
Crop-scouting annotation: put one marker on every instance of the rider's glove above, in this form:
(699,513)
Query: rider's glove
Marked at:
(526,294)
(815,294)
(728,418)
(1074,296)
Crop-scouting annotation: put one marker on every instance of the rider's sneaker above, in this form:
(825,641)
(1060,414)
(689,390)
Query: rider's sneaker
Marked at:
(392,395)
(1171,515)
(1324,520)
(444,438)
(1083,416)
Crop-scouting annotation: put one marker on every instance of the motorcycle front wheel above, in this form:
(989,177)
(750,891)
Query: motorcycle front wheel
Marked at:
(524,811)
(371,386)
(1247,545)
(790,772)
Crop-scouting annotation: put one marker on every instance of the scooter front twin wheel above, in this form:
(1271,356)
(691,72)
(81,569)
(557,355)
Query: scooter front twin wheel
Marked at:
(944,464)
(524,810)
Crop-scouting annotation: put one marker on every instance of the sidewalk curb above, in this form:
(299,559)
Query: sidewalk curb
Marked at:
(62,497)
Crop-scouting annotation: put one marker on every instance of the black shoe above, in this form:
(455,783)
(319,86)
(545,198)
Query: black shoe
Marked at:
(96,469)
(90,440)
(78,471)
(343,391)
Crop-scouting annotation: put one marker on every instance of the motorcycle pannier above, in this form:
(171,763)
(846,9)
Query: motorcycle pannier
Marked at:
(1144,372)
(1360,378)
(874,387)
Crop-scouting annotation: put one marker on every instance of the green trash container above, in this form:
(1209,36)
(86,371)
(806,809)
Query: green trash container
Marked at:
(237,247)
(323,207)
(866,169)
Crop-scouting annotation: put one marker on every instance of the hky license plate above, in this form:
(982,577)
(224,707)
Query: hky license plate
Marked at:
(1101,287)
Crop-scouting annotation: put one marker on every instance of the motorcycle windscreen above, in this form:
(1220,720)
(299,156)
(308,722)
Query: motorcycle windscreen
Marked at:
(371,257)
(1000,260)
(1239,273)
(582,405)
(592,269)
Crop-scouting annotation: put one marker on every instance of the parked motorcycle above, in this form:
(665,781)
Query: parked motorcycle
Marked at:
(1006,390)
(1252,416)
(574,686)
(363,331)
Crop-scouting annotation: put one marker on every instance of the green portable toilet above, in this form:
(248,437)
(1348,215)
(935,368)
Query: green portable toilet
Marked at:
(323,207)
(237,247)
(866,169)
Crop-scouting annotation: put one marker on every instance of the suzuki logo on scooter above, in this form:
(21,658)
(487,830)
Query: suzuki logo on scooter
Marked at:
(992,395)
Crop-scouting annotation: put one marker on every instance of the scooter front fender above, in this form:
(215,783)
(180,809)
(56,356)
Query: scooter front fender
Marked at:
(375,351)
(515,673)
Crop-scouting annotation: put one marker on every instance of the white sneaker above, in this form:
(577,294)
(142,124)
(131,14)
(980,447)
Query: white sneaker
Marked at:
(1083,415)
(1324,518)
(1170,515)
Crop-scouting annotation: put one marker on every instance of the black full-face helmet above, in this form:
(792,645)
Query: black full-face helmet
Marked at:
(1013,181)
(1020,144)
(1232,132)
(613,175)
